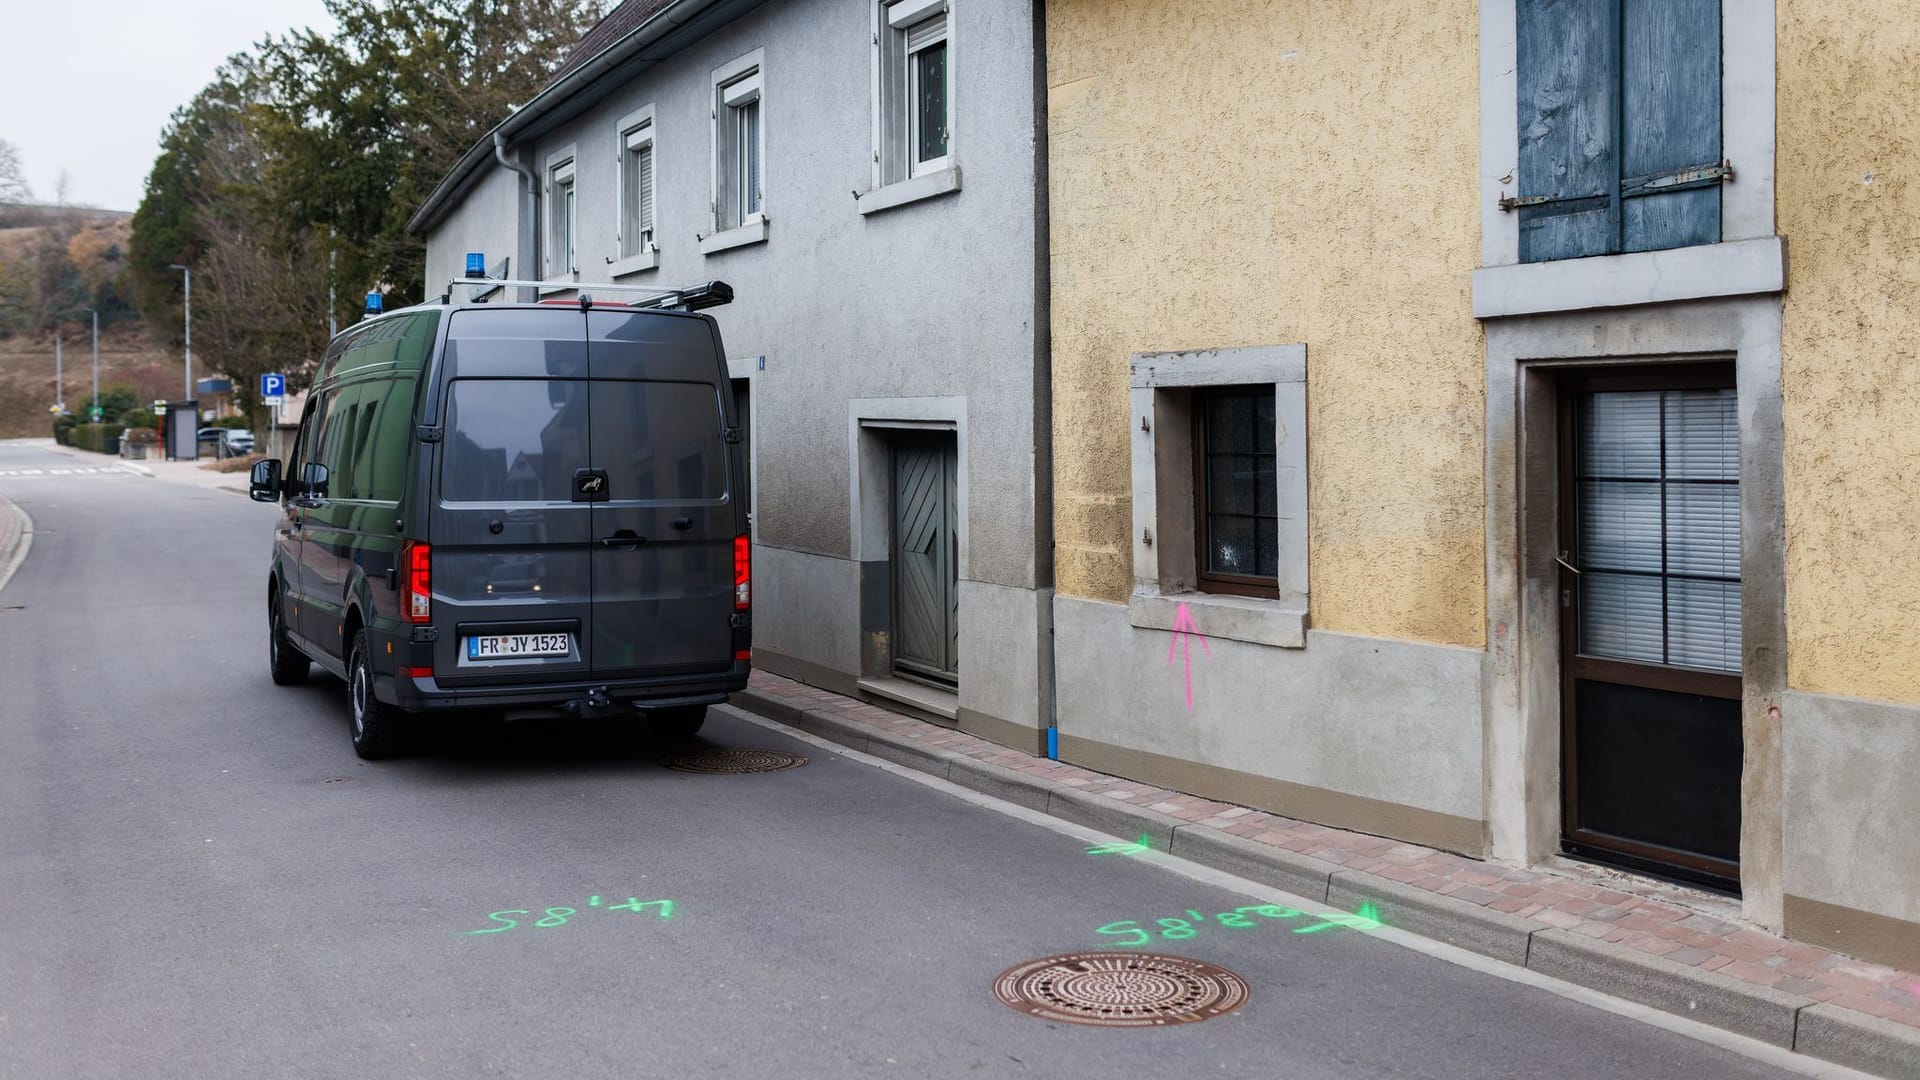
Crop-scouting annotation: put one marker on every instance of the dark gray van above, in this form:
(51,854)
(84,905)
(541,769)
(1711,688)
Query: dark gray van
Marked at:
(526,509)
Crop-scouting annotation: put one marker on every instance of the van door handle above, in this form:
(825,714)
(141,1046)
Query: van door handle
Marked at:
(625,538)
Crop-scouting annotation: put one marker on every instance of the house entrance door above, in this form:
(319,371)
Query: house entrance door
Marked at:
(926,604)
(1650,605)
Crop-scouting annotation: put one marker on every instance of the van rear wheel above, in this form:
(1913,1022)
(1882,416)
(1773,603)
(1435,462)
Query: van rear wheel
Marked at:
(289,665)
(681,723)
(377,726)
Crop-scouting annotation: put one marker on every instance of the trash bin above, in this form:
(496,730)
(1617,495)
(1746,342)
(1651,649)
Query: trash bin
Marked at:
(113,444)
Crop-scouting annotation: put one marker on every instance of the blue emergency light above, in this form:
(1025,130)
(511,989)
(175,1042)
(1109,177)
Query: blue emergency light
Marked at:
(476,264)
(375,303)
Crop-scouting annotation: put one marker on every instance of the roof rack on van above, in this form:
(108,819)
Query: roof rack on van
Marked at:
(686,298)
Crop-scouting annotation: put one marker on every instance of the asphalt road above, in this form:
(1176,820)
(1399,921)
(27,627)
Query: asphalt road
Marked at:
(199,879)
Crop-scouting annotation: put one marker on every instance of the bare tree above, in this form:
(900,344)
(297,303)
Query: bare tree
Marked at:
(13,176)
(62,186)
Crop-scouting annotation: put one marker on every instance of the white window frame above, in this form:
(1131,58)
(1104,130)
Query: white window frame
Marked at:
(561,171)
(735,83)
(898,177)
(632,131)
(1166,506)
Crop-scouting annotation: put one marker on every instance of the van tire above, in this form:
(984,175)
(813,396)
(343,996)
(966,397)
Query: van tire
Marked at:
(681,723)
(289,665)
(376,725)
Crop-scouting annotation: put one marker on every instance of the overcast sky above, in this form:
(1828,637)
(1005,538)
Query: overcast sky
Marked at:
(88,86)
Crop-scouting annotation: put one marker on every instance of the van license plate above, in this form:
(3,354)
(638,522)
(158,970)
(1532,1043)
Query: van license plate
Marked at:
(516,646)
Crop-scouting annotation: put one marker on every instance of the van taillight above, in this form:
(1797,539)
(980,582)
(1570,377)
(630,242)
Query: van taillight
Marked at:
(416,600)
(742,573)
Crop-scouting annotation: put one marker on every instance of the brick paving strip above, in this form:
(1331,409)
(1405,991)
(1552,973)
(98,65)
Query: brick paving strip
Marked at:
(1672,949)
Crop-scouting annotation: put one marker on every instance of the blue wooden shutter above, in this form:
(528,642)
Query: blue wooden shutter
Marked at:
(1569,75)
(1670,124)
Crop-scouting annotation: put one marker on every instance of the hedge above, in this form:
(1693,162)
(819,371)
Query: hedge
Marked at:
(93,436)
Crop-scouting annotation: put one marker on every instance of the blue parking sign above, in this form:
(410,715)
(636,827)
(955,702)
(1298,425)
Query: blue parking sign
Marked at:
(273,384)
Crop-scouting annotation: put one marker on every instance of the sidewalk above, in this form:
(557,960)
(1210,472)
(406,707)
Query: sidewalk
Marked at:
(185,472)
(1667,947)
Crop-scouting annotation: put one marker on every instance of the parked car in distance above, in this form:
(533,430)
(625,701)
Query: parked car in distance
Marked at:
(226,442)
(523,510)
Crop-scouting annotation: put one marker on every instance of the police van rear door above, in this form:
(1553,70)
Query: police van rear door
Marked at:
(664,530)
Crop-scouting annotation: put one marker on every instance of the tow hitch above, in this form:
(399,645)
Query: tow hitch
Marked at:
(595,703)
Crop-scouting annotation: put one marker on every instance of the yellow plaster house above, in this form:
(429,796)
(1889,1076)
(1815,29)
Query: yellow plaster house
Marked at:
(1442,367)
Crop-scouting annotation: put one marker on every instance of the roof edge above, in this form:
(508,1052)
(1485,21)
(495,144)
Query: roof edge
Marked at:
(464,174)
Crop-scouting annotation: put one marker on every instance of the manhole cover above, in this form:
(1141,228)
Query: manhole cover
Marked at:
(1121,989)
(734,759)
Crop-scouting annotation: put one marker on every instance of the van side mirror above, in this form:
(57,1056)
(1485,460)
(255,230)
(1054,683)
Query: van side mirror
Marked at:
(313,479)
(263,481)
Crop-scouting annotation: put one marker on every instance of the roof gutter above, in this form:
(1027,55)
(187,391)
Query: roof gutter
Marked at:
(464,173)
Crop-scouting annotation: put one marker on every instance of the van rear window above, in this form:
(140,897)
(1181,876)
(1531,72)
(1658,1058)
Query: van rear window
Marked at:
(514,440)
(659,440)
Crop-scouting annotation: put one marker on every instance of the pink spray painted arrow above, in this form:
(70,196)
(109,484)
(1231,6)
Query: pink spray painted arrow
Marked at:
(1184,633)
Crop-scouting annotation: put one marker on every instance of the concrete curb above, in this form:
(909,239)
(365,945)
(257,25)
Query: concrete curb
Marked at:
(1818,1030)
(1755,1011)
(1429,914)
(1858,1041)
(1302,875)
(15,552)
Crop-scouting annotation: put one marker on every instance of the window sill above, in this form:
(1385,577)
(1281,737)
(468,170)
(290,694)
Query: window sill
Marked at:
(900,193)
(753,232)
(1280,623)
(633,264)
(1709,271)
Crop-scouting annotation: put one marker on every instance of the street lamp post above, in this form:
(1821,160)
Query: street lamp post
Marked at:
(95,312)
(188,395)
(59,380)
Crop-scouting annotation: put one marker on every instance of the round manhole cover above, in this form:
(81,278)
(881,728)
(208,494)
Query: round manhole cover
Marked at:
(734,759)
(1121,989)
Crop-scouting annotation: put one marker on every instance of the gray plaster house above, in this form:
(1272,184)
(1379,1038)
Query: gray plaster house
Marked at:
(868,175)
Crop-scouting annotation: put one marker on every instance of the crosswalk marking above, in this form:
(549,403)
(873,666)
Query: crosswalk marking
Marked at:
(99,470)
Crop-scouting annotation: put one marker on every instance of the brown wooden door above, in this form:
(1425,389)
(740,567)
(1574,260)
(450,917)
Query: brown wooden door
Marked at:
(1650,630)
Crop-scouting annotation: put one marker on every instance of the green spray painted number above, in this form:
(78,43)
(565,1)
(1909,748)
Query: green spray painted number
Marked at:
(562,916)
(495,916)
(1176,929)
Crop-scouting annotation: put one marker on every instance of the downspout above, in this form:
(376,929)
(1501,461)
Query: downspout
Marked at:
(1043,504)
(529,212)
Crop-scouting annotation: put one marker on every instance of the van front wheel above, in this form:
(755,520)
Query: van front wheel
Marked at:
(376,725)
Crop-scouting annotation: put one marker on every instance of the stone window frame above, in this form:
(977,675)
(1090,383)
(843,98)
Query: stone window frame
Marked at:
(1749,259)
(562,168)
(638,124)
(1165,504)
(897,179)
(748,71)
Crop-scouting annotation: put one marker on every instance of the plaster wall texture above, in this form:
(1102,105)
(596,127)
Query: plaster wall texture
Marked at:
(1274,177)
(795,596)
(933,298)
(1326,716)
(1848,198)
(1850,802)
(486,221)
